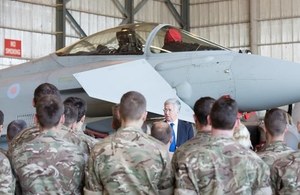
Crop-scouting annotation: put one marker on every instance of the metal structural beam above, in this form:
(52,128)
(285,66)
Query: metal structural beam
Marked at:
(60,24)
(129,10)
(253,26)
(75,25)
(185,14)
(183,18)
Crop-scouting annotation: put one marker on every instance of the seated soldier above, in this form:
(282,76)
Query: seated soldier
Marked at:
(173,42)
(128,42)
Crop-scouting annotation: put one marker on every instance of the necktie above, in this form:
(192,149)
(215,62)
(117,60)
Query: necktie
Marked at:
(173,143)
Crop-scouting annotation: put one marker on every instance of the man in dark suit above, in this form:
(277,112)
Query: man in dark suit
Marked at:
(183,130)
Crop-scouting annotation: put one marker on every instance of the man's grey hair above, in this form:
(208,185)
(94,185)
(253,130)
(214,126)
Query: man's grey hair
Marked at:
(175,102)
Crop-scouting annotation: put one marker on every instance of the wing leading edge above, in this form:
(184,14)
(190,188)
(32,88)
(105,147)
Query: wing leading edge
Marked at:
(111,82)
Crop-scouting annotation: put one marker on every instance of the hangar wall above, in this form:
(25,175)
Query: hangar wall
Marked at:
(275,23)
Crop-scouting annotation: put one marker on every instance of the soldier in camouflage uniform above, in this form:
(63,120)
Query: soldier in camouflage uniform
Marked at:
(80,104)
(220,165)
(49,164)
(285,174)
(202,109)
(276,126)
(30,133)
(7,180)
(129,161)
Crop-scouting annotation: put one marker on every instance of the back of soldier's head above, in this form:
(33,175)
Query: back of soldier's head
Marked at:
(275,121)
(1,117)
(79,103)
(132,106)
(71,114)
(14,128)
(223,114)
(49,110)
(161,131)
(202,109)
(45,89)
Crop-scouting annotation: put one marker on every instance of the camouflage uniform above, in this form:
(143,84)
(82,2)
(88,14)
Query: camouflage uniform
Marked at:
(285,174)
(85,143)
(7,180)
(49,164)
(87,140)
(202,136)
(274,151)
(218,166)
(24,136)
(129,162)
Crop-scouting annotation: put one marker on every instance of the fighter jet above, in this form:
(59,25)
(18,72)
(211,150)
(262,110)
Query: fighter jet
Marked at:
(160,61)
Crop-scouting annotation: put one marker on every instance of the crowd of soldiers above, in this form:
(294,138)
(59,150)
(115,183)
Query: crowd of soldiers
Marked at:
(55,156)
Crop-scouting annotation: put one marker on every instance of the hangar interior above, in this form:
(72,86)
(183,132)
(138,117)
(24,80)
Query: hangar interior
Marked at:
(30,29)
(266,27)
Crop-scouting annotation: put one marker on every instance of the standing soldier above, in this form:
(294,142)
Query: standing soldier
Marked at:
(220,165)
(7,180)
(129,161)
(48,164)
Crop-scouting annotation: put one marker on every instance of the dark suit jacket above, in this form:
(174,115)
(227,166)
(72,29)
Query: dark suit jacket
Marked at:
(184,132)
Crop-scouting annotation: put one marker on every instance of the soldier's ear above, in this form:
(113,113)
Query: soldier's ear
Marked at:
(144,117)
(208,120)
(82,119)
(62,119)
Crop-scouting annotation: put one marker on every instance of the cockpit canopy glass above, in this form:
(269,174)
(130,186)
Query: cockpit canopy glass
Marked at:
(131,40)
(170,39)
(122,40)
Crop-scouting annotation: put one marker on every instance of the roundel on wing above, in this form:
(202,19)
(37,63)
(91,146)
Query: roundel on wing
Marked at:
(13,91)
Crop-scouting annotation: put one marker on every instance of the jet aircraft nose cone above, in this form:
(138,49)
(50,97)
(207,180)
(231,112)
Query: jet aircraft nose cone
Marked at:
(263,82)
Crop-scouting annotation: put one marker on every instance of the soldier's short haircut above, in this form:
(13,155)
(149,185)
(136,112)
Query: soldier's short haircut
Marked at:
(1,117)
(202,109)
(49,110)
(175,102)
(45,89)
(223,114)
(276,121)
(79,103)
(161,131)
(71,114)
(14,127)
(132,106)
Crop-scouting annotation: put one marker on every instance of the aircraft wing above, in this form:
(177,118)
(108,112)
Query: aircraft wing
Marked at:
(111,82)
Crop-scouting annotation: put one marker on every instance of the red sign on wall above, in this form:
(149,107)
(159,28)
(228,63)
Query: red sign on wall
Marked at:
(12,48)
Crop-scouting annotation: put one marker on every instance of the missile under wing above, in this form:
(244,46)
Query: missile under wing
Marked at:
(160,61)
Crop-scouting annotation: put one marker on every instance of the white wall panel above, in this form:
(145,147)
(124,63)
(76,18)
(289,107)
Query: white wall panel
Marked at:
(276,33)
(156,11)
(274,8)
(265,31)
(287,30)
(44,2)
(296,49)
(295,7)
(103,7)
(296,31)
(225,19)
(264,50)
(287,52)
